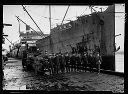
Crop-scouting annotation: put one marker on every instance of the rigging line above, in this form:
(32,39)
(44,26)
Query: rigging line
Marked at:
(65,15)
(29,26)
(50,16)
(54,19)
(84,11)
(32,19)
(33,12)
(9,41)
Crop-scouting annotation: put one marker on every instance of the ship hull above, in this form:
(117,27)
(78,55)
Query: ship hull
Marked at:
(97,29)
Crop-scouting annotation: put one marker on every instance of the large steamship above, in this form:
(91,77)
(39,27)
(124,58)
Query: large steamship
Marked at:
(91,31)
(94,30)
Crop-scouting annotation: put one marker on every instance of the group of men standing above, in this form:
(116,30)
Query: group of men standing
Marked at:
(62,63)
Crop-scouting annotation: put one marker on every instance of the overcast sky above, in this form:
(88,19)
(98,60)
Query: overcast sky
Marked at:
(40,12)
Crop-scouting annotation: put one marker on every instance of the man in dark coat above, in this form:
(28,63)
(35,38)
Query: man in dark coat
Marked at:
(67,61)
(63,64)
(90,62)
(98,61)
(46,61)
(78,60)
(57,63)
(72,61)
(60,63)
(51,63)
(24,59)
(84,61)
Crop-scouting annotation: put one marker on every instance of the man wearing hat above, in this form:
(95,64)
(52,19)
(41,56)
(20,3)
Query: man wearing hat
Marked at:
(90,61)
(98,61)
(78,62)
(72,62)
(67,61)
(24,59)
(46,60)
(84,61)
(63,63)
(57,63)
(51,63)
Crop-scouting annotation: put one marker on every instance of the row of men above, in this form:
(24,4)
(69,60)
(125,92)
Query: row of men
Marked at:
(62,63)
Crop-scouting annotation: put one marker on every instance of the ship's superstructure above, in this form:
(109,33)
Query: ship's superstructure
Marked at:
(30,38)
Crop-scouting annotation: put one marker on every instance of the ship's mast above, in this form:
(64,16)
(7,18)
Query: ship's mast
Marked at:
(50,16)
(19,28)
(51,43)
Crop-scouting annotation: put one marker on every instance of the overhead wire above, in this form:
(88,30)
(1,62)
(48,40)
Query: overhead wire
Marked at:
(84,11)
(65,14)
(44,16)
(68,19)
(32,18)
(27,24)
(9,41)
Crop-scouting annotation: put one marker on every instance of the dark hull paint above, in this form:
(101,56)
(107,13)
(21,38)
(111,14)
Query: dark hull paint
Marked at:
(108,63)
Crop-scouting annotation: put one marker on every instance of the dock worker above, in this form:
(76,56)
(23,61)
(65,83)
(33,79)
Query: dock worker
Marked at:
(57,63)
(84,61)
(24,59)
(51,63)
(98,61)
(72,62)
(90,62)
(60,63)
(36,64)
(63,63)
(67,61)
(46,61)
(54,63)
(75,66)
(78,62)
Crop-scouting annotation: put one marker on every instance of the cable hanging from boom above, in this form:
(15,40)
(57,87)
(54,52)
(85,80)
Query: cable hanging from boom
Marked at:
(9,41)
(32,19)
(27,24)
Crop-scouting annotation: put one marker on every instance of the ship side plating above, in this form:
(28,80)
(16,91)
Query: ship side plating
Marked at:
(96,29)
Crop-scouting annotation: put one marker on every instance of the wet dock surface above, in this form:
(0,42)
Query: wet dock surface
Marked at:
(15,78)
